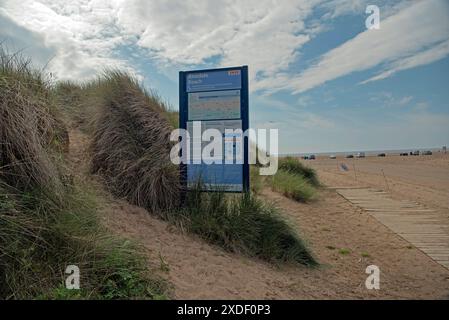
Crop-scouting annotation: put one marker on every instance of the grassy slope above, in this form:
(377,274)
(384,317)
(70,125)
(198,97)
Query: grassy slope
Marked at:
(47,219)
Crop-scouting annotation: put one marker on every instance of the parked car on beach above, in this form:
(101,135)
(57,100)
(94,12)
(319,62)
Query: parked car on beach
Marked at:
(360,155)
(427,153)
(312,157)
(350,156)
(382,155)
(416,153)
(332,156)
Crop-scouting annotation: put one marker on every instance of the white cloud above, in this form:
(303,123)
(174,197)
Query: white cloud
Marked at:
(405,100)
(388,99)
(403,35)
(266,34)
(16,39)
(425,57)
(85,35)
(81,34)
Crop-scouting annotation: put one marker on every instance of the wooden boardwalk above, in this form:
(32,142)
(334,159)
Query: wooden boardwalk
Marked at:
(424,228)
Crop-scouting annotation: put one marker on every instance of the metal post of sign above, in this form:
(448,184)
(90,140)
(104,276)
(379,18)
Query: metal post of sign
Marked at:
(217,99)
(182,125)
(245,126)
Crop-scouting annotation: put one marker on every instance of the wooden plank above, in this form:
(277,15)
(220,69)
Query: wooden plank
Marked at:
(423,227)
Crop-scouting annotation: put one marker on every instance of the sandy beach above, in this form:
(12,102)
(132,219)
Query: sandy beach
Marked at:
(424,179)
(331,226)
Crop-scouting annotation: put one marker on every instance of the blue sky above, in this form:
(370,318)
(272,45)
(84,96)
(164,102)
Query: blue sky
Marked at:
(316,73)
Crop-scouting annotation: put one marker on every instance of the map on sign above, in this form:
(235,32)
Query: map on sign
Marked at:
(214,105)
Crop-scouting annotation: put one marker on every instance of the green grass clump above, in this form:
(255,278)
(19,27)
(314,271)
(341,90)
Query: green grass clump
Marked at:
(294,166)
(125,275)
(295,181)
(256,180)
(344,251)
(244,224)
(365,255)
(293,186)
(41,236)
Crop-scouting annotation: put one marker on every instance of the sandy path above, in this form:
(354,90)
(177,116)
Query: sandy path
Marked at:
(201,271)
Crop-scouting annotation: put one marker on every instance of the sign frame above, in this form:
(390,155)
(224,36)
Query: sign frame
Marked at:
(244,117)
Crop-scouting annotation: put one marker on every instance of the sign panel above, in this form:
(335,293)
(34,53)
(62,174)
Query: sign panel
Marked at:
(211,80)
(215,99)
(227,175)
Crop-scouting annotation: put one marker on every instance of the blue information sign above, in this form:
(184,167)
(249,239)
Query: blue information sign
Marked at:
(216,99)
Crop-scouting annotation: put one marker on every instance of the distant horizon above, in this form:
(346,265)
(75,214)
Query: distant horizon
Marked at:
(434,149)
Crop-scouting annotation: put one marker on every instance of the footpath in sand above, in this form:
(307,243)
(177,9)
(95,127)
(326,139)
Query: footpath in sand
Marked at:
(409,194)
(423,227)
(201,271)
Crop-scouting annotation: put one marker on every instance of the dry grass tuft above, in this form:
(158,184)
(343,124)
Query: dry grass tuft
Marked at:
(30,130)
(131,144)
